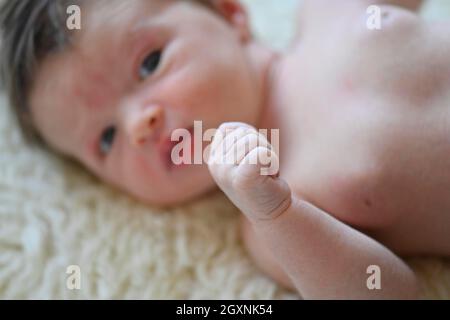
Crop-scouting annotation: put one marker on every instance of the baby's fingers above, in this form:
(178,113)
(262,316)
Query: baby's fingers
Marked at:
(226,137)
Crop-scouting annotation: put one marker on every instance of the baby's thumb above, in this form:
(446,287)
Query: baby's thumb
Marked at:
(256,187)
(268,199)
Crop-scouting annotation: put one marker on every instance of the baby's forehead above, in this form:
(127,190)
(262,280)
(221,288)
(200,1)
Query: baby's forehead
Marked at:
(69,93)
(108,24)
(53,105)
(110,13)
(85,72)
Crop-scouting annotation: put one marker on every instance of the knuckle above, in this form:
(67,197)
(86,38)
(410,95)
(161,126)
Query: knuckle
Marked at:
(245,177)
(221,172)
(241,184)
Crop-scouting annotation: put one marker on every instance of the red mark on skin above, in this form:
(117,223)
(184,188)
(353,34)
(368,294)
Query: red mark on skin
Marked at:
(93,91)
(96,97)
(349,85)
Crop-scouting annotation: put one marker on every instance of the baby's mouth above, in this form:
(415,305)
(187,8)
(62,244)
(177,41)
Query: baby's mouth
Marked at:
(167,146)
(166,154)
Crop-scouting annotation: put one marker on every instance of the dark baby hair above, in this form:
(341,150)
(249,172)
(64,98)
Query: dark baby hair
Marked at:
(30,30)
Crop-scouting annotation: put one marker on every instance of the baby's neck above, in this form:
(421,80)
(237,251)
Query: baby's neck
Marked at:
(265,62)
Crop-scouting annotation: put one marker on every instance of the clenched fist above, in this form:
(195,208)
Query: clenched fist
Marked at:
(244,165)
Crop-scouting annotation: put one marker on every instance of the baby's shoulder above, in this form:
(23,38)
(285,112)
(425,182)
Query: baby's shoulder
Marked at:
(384,25)
(359,34)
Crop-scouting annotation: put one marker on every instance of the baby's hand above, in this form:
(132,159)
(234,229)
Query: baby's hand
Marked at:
(239,162)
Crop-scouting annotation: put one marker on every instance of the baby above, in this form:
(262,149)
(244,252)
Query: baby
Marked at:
(363,116)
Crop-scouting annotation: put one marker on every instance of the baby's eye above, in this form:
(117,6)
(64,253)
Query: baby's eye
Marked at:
(107,140)
(150,64)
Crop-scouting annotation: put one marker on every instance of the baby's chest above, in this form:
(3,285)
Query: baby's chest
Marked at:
(369,164)
(373,145)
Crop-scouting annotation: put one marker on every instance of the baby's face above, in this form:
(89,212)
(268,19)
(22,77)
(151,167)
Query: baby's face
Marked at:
(137,71)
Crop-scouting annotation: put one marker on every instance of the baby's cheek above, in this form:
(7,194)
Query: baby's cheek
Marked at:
(143,167)
(137,173)
(194,83)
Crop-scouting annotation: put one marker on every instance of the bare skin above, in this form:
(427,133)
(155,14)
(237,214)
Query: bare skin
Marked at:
(369,177)
(363,118)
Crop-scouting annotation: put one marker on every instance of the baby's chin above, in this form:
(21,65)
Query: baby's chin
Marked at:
(198,187)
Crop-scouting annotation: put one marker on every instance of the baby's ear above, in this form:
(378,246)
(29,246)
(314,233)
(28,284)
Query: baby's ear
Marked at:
(235,13)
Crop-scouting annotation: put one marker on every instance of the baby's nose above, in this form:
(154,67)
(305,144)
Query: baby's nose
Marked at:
(144,124)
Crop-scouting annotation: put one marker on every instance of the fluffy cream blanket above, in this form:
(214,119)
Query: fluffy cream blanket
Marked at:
(54,215)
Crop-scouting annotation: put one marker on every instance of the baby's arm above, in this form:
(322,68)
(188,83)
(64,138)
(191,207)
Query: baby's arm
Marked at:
(327,259)
(324,257)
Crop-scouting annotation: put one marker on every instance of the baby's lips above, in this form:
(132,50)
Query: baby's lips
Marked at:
(165,150)
(166,147)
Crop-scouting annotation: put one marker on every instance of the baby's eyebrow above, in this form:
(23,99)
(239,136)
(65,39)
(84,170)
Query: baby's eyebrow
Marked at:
(139,31)
(141,24)
(138,27)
